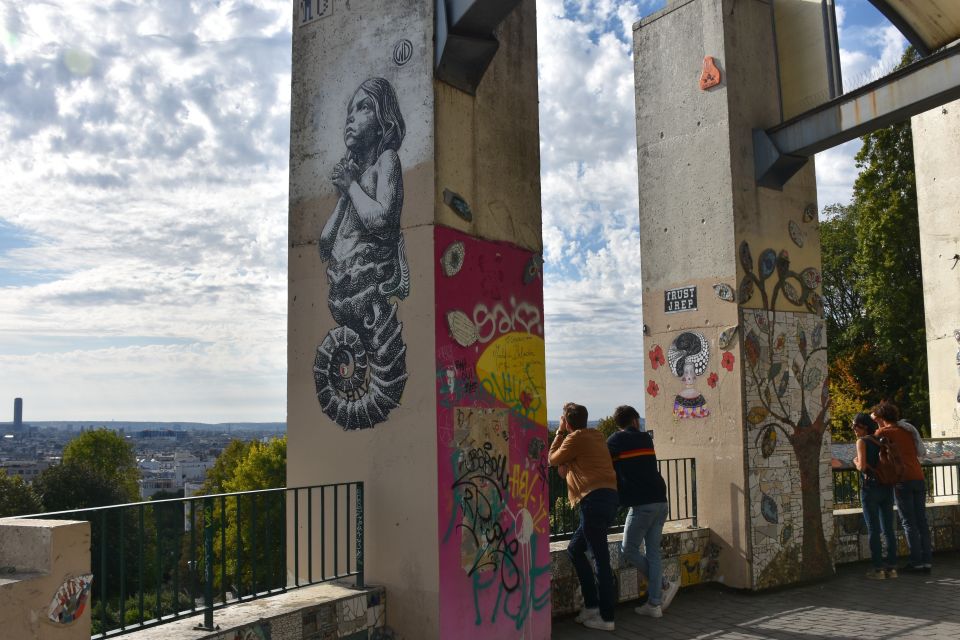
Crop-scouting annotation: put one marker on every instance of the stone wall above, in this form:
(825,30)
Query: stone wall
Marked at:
(45,579)
(688,556)
(851,532)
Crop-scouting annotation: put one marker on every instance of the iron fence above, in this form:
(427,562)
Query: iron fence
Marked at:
(680,475)
(941,478)
(158,561)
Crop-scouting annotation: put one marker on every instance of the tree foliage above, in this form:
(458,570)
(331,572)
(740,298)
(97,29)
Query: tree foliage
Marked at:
(873,287)
(74,485)
(16,496)
(110,455)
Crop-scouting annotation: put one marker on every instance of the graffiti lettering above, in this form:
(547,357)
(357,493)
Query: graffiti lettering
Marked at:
(521,395)
(518,603)
(495,321)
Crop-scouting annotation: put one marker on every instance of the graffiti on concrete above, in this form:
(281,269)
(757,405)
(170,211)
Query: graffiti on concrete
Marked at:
(70,599)
(360,367)
(491,441)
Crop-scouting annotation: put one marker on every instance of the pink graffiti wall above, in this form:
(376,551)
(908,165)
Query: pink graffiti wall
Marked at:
(494,529)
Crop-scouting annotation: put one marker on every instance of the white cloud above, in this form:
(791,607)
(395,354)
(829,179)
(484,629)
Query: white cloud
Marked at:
(145,174)
(146,160)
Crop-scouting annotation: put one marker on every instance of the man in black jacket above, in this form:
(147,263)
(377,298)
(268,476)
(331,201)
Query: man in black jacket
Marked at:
(641,487)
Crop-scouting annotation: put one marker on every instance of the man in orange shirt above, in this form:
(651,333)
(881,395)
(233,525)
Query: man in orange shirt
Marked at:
(591,483)
(910,492)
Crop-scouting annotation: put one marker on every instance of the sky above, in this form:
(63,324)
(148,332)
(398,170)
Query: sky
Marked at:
(143,203)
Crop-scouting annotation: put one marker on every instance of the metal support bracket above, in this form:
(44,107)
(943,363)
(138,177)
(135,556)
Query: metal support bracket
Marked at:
(779,152)
(465,44)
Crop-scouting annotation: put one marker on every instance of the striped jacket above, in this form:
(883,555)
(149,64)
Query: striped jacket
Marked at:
(638,479)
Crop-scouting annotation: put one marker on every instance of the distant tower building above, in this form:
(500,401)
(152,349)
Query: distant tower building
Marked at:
(17,413)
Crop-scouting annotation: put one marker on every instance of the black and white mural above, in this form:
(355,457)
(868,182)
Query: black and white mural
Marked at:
(360,368)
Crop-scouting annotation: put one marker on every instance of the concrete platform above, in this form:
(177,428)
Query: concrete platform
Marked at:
(847,606)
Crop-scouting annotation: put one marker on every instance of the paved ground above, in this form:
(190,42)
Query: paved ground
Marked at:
(848,606)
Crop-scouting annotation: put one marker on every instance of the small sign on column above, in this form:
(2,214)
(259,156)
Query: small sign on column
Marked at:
(680,299)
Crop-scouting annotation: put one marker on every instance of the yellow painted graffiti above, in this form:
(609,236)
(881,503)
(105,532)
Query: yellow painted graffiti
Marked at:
(512,369)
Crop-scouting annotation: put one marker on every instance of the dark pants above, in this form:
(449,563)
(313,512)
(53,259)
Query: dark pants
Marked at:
(877,504)
(911,497)
(597,513)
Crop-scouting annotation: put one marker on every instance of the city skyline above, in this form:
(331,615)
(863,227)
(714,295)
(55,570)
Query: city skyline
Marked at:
(143,216)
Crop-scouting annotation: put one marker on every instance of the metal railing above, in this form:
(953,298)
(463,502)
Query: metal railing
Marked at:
(941,477)
(680,475)
(158,561)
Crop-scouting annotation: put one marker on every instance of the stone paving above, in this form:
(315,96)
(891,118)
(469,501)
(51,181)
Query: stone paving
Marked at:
(847,606)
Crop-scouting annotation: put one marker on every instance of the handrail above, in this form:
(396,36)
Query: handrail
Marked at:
(151,567)
(941,483)
(680,475)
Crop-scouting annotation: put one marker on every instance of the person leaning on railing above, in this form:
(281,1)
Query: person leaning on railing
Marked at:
(876,500)
(583,459)
(910,492)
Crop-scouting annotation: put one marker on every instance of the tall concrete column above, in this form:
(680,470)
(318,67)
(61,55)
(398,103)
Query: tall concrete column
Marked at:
(936,148)
(736,352)
(415,357)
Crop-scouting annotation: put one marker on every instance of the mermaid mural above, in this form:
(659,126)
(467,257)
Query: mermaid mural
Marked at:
(360,369)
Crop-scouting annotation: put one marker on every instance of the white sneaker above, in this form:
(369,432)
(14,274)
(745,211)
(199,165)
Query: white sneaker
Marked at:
(599,623)
(586,614)
(668,594)
(649,610)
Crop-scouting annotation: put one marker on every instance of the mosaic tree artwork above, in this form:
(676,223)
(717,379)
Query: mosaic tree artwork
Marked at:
(785,368)
(360,367)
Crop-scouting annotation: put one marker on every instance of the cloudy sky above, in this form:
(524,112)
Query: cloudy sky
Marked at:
(143,203)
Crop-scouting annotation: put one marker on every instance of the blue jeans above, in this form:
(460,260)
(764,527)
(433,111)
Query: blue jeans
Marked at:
(644,525)
(911,497)
(877,504)
(598,509)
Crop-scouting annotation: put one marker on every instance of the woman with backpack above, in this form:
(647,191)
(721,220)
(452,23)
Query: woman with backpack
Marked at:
(911,488)
(876,499)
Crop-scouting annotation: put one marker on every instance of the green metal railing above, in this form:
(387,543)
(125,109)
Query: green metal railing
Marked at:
(680,475)
(941,478)
(163,560)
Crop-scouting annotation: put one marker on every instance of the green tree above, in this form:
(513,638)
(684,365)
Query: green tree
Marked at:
(607,426)
(111,455)
(224,467)
(16,496)
(873,291)
(254,550)
(73,485)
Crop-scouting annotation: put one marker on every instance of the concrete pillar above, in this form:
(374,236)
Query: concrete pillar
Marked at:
(936,148)
(415,357)
(46,579)
(736,353)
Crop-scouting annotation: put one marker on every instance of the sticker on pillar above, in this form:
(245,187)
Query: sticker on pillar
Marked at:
(534,269)
(688,357)
(726,338)
(796,233)
(724,291)
(402,52)
(360,369)
(311,10)
(462,329)
(70,599)
(710,76)
(453,257)
(481,482)
(810,213)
